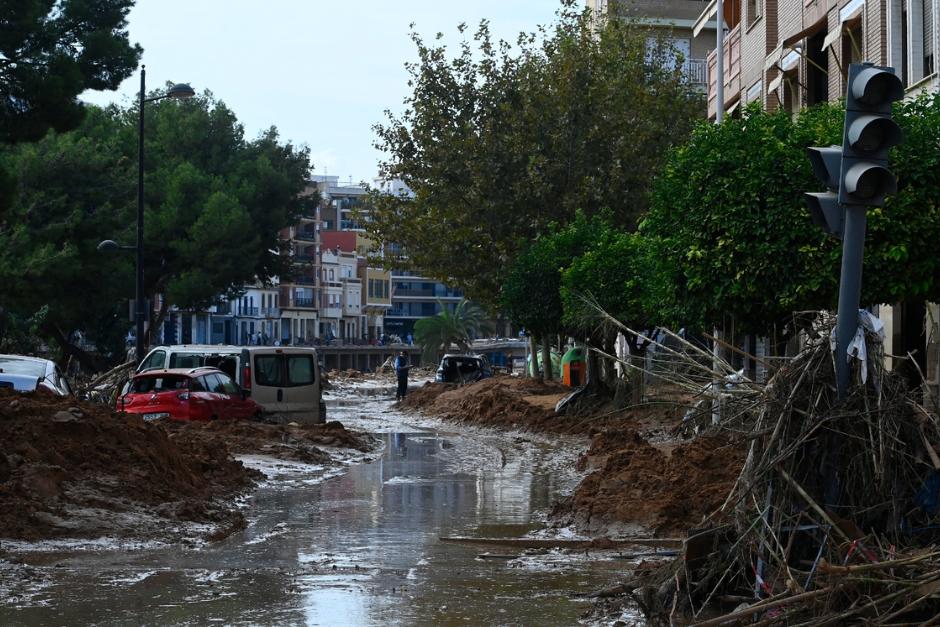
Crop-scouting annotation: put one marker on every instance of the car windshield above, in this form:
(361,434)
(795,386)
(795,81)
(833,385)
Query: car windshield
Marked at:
(22,366)
(162,383)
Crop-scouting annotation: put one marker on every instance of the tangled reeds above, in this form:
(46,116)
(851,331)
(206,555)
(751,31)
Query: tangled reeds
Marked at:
(836,513)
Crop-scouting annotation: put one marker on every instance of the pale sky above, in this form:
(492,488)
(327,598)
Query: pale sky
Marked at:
(322,72)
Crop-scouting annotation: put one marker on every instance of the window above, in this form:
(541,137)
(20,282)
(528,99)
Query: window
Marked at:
(753,11)
(299,370)
(166,383)
(214,384)
(268,370)
(227,385)
(155,360)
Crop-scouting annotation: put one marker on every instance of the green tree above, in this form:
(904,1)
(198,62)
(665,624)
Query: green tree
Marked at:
(531,295)
(457,326)
(497,143)
(215,203)
(53,50)
(731,235)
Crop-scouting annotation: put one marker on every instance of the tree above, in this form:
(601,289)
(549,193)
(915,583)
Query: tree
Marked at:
(610,278)
(531,294)
(52,51)
(497,144)
(731,235)
(215,204)
(450,327)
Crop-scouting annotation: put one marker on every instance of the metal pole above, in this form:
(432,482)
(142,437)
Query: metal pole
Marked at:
(850,289)
(720,63)
(139,305)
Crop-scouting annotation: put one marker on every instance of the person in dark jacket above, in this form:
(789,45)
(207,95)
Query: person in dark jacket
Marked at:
(401,369)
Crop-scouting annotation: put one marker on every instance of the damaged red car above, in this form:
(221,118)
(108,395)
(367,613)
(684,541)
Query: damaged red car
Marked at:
(187,394)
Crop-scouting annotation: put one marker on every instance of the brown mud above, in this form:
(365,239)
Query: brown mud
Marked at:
(73,469)
(643,479)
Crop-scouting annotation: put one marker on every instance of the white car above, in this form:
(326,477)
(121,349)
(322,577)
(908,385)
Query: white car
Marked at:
(32,374)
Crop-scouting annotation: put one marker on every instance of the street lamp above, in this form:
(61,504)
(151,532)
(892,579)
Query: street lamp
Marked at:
(179,90)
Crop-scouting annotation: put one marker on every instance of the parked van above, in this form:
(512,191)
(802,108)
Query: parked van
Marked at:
(285,381)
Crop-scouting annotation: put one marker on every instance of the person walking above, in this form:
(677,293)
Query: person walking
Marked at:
(401,369)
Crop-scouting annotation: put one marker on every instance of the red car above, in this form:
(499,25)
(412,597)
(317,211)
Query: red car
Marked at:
(187,394)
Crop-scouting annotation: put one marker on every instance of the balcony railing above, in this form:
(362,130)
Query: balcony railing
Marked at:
(304,258)
(732,68)
(306,235)
(271,312)
(303,302)
(697,72)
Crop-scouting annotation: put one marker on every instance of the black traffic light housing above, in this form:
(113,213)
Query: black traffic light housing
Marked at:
(824,208)
(868,135)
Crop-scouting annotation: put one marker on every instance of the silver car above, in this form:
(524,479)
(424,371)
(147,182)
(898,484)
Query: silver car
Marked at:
(32,374)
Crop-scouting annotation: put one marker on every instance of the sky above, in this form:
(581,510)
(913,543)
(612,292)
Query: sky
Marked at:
(321,72)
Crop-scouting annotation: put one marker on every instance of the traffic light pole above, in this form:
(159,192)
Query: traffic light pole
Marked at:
(850,290)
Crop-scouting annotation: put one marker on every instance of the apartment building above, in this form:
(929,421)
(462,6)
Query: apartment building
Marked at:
(791,54)
(675,19)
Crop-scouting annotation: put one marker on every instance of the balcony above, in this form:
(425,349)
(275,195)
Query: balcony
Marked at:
(307,235)
(732,63)
(303,301)
(271,312)
(331,312)
(247,311)
(696,70)
(304,258)
(304,281)
(223,309)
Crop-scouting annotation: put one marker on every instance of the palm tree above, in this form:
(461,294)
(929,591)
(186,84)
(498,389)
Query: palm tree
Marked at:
(447,327)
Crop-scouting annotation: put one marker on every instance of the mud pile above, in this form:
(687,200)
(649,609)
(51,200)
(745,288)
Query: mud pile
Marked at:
(636,484)
(75,469)
(512,402)
(289,442)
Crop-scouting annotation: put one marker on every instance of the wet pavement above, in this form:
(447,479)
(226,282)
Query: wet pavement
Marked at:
(355,546)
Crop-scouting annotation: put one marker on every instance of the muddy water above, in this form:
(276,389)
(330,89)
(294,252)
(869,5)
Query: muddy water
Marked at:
(358,548)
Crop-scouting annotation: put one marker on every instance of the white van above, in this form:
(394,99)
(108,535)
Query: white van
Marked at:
(285,381)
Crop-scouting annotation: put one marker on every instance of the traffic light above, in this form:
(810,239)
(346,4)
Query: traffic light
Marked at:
(868,135)
(824,207)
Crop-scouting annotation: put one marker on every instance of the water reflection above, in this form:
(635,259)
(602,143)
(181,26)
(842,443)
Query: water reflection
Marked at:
(358,549)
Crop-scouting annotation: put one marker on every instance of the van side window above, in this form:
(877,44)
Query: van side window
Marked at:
(268,370)
(157,359)
(185,360)
(299,370)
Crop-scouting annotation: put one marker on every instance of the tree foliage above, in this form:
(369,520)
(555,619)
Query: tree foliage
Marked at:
(214,205)
(731,234)
(53,50)
(457,326)
(531,293)
(498,142)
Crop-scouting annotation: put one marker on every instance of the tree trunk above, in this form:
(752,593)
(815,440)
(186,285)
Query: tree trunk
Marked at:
(914,341)
(155,322)
(533,354)
(547,358)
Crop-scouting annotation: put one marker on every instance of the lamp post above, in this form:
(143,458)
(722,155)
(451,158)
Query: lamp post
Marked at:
(179,90)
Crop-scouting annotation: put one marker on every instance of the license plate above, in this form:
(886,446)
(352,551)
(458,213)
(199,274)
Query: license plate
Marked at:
(156,416)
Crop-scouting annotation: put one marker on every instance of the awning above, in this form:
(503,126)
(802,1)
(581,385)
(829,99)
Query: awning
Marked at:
(773,58)
(775,84)
(809,30)
(731,109)
(706,15)
(836,32)
(791,60)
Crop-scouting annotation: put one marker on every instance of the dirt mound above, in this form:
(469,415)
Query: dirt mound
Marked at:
(638,483)
(514,402)
(291,442)
(69,468)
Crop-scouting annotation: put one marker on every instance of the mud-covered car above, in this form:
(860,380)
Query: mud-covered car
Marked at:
(187,394)
(32,374)
(463,369)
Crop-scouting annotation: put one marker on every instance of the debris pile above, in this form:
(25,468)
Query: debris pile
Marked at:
(834,514)
(78,469)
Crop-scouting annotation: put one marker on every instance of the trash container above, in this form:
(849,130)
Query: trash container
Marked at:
(573,367)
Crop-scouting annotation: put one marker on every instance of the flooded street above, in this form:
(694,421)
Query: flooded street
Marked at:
(355,546)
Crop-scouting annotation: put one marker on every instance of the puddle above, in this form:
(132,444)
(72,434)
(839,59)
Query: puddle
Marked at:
(359,548)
